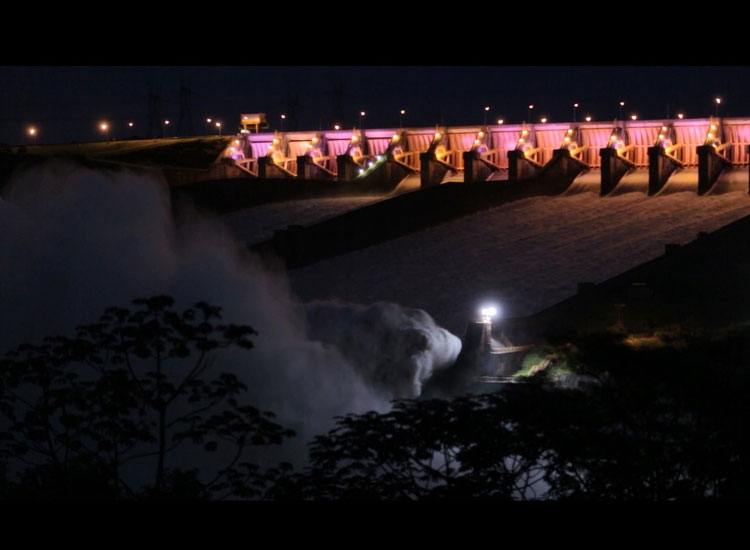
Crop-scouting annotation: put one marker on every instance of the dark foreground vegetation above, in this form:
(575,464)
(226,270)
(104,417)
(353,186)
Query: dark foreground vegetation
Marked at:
(656,419)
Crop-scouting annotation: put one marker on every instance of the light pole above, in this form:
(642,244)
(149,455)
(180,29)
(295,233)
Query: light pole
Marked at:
(530,109)
(401,118)
(104,127)
(575,107)
(718,102)
(283,118)
(208,125)
(218,125)
(622,104)
(166,124)
(486,110)
(361,114)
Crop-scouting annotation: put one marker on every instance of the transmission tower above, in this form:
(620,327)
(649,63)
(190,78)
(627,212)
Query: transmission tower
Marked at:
(185,120)
(154,111)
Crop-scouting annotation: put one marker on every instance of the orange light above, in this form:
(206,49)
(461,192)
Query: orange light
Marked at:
(567,139)
(437,135)
(570,130)
(476,142)
(520,140)
(480,134)
(525,133)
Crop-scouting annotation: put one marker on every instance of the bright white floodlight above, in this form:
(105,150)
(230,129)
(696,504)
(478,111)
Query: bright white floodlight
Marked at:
(488,313)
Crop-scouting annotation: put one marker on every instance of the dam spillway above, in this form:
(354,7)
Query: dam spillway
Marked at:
(699,153)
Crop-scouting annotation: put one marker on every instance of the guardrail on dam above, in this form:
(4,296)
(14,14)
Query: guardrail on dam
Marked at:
(701,149)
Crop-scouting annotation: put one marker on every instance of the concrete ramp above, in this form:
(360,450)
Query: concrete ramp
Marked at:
(587,182)
(732,179)
(501,175)
(680,181)
(409,183)
(632,182)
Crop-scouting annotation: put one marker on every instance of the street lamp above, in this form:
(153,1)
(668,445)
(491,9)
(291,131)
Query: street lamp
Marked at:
(337,127)
(486,110)
(718,102)
(633,117)
(588,118)
(218,125)
(104,127)
(283,118)
(544,120)
(622,104)
(680,116)
(575,106)
(530,108)
(32,133)
(361,114)
(500,121)
(166,123)
(401,118)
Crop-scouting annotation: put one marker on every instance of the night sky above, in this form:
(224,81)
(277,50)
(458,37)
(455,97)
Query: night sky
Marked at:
(66,103)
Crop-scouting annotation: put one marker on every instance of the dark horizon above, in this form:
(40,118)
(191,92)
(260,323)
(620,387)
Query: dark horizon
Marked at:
(66,104)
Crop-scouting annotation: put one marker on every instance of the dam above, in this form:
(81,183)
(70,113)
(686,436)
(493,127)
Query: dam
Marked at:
(611,157)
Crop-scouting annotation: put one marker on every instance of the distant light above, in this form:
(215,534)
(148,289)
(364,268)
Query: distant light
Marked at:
(403,111)
(437,135)
(166,122)
(104,126)
(713,126)
(361,113)
(314,140)
(633,117)
(500,121)
(661,136)
(480,134)
(275,140)
(544,119)
(520,140)
(710,135)
(531,106)
(613,137)
(355,138)
(337,127)
(395,137)
(570,130)
(680,115)
(208,120)
(622,104)
(361,170)
(130,124)
(567,139)
(575,105)
(525,133)
(218,124)
(283,116)
(663,128)
(588,119)
(488,313)
(486,108)
(32,131)
(476,142)
(244,118)
(232,149)
(718,100)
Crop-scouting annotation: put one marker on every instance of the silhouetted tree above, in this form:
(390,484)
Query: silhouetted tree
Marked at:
(659,423)
(79,414)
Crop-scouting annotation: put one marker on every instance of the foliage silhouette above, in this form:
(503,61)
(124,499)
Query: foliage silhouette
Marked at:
(653,424)
(83,417)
